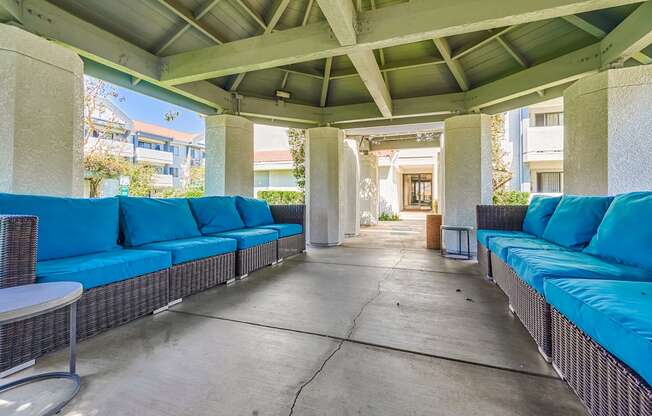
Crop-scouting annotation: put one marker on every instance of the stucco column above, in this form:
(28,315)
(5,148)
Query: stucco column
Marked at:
(229,155)
(352,188)
(41,116)
(325,191)
(369,189)
(466,152)
(607,132)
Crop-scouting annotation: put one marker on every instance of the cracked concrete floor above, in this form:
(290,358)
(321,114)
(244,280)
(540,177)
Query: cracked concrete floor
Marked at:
(362,329)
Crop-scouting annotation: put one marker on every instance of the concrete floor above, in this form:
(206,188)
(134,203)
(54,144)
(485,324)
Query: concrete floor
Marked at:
(378,326)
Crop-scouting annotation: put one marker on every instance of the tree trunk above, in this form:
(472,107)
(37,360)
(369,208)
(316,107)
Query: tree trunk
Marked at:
(95,187)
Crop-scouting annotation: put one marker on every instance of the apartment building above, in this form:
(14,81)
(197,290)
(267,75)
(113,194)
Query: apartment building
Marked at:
(534,142)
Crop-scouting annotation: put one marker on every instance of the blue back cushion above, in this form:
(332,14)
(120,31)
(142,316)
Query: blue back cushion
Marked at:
(67,227)
(576,220)
(538,214)
(625,233)
(215,214)
(147,220)
(254,212)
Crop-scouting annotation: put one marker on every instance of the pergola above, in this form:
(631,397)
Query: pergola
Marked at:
(330,65)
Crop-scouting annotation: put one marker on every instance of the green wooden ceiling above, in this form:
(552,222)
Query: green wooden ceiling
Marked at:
(161,34)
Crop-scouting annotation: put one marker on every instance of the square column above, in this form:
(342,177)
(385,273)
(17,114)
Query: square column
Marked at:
(369,189)
(352,184)
(41,116)
(467,171)
(229,155)
(325,190)
(607,132)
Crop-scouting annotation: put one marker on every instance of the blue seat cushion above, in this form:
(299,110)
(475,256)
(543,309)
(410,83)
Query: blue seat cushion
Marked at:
(148,220)
(535,266)
(501,246)
(101,269)
(254,212)
(250,237)
(215,214)
(538,214)
(284,230)
(189,249)
(615,314)
(67,227)
(484,236)
(576,220)
(626,231)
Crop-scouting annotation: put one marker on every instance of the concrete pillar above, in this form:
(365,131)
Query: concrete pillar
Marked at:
(325,191)
(369,189)
(229,155)
(467,172)
(607,132)
(41,116)
(352,188)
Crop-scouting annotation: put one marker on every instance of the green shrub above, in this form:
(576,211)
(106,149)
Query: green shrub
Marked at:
(385,216)
(282,197)
(511,198)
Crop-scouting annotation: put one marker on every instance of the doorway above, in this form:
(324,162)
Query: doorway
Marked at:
(417,191)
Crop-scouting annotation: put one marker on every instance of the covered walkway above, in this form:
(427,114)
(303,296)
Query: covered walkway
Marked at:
(345,330)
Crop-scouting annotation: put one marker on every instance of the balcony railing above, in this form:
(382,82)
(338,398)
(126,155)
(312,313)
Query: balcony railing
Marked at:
(114,147)
(154,156)
(160,180)
(544,143)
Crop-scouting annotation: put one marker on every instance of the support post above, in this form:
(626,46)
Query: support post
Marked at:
(466,151)
(229,155)
(41,116)
(352,188)
(369,189)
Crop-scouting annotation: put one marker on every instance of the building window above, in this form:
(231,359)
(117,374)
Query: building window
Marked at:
(261,179)
(549,119)
(175,150)
(174,172)
(549,182)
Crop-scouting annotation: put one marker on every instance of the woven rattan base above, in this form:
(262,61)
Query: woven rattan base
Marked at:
(98,310)
(606,386)
(484,261)
(195,276)
(289,246)
(500,273)
(254,258)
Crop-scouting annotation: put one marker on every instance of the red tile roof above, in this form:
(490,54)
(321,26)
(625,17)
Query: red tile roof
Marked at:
(163,131)
(273,156)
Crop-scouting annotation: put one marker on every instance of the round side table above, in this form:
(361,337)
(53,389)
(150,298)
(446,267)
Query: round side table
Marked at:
(27,301)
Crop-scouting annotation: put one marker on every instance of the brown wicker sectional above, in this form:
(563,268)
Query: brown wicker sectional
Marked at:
(199,275)
(290,214)
(496,217)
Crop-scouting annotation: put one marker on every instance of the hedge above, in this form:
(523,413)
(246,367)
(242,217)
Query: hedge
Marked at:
(281,197)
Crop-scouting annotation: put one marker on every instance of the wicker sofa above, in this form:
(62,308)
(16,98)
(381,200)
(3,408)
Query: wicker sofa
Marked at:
(134,256)
(594,250)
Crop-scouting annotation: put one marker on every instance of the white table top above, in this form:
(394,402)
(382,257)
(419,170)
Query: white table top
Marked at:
(26,301)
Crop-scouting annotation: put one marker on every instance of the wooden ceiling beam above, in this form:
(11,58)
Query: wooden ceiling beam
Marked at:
(192,19)
(518,57)
(454,66)
(326,81)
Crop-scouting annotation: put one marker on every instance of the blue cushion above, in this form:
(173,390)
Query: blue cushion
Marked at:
(68,226)
(576,220)
(254,212)
(250,237)
(189,249)
(284,230)
(147,220)
(538,214)
(534,266)
(101,269)
(215,214)
(625,233)
(615,314)
(484,236)
(501,246)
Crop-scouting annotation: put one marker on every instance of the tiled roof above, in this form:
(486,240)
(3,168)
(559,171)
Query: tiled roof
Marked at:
(273,156)
(154,129)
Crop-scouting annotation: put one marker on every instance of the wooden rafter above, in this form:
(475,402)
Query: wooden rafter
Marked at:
(491,36)
(192,19)
(453,65)
(518,57)
(324,85)
(255,16)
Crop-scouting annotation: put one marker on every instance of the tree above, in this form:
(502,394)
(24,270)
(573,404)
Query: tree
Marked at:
(141,180)
(297,141)
(100,166)
(501,170)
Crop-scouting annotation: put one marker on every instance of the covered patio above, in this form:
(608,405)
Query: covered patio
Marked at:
(372,324)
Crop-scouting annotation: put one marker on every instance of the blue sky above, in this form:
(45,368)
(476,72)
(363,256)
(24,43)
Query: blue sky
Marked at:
(150,110)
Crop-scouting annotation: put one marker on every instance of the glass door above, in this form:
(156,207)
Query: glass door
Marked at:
(417,191)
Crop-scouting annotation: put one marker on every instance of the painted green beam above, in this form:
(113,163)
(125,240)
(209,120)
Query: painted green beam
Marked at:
(176,7)
(630,37)
(518,57)
(454,66)
(391,121)
(306,15)
(259,20)
(197,15)
(341,16)
(598,33)
(326,81)
(275,13)
(383,27)
(528,100)
(393,66)
(10,11)
(489,37)
(366,65)
(561,70)
(237,81)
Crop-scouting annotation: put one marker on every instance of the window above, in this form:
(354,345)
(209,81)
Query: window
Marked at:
(549,119)
(549,182)
(173,171)
(175,150)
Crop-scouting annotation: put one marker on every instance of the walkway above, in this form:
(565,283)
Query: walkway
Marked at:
(375,327)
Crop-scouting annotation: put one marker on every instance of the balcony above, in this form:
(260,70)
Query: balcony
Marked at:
(162,181)
(158,157)
(544,144)
(115,147)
